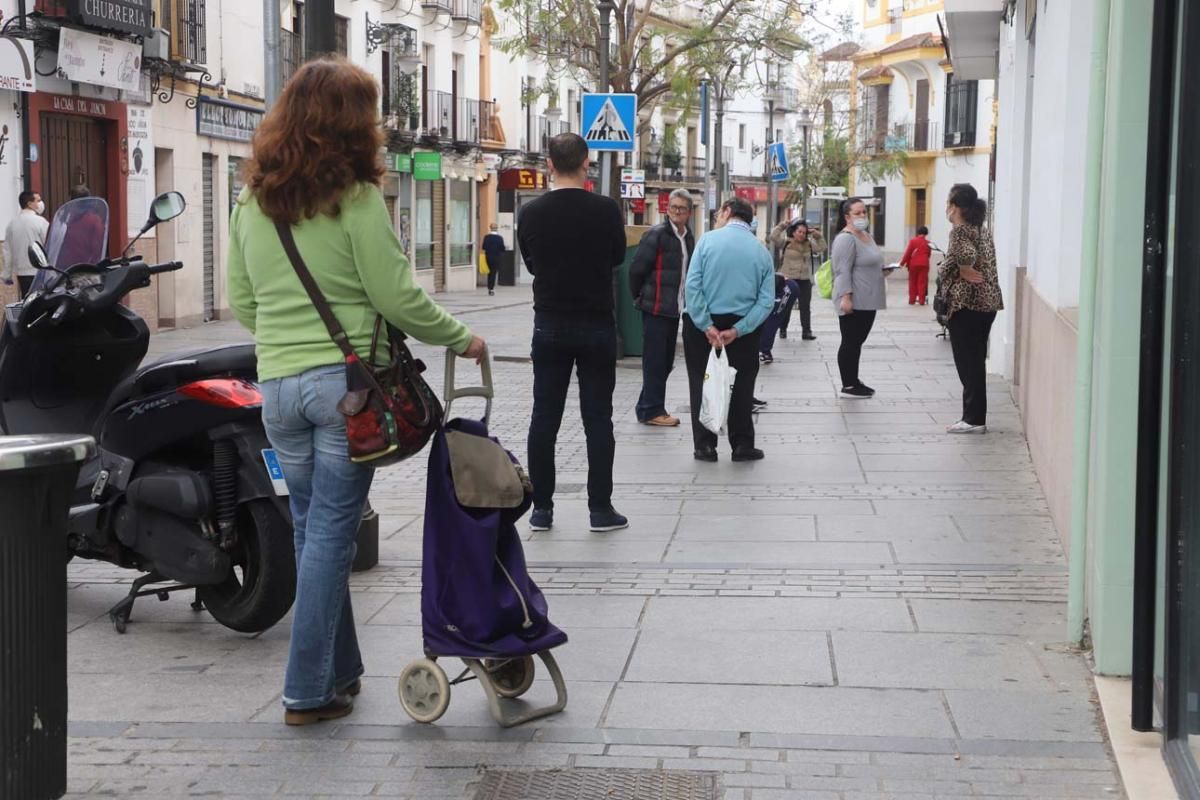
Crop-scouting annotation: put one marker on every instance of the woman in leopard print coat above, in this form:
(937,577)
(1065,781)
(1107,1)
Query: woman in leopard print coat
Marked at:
(971,288)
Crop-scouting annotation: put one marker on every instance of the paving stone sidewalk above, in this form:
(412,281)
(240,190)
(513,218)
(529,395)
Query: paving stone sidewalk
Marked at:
(874,612)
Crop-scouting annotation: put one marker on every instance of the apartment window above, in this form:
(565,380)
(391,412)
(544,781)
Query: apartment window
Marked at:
(962,105)
(341,36)
(741,137)
(185,21)
(874,118)
(291,44)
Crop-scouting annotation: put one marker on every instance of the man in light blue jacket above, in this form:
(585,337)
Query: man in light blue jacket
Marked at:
(730,290)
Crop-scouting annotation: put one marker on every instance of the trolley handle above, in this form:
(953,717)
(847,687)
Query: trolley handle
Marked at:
(486,390)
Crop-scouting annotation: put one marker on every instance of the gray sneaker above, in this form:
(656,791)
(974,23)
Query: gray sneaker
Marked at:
(966,427)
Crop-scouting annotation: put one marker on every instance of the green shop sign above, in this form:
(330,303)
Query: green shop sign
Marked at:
(427,166)
(400,162)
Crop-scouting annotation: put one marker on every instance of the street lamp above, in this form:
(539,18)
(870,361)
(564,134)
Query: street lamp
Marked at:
(653,151)
(805,126)
(606,8)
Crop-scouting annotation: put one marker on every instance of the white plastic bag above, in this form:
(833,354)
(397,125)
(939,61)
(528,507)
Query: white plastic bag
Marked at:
(717,391)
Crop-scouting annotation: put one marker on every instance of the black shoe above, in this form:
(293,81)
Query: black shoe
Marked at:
(748,454)
(766,358)
(857,391)
(757,405)
(783,333)
(705,454)
(491,292)
(808,336)
(862,385)
(608,520)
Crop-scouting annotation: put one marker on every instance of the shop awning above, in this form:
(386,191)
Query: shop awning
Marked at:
(973,27)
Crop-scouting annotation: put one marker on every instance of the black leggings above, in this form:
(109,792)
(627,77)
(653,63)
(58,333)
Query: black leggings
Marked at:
(856,326)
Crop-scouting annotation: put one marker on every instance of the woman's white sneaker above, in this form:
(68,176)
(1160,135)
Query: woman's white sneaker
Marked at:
(966,427)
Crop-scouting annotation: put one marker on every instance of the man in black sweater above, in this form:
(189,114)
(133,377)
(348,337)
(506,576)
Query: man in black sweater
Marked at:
(571,241)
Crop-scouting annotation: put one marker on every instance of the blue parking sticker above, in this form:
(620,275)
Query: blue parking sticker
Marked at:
(275,471)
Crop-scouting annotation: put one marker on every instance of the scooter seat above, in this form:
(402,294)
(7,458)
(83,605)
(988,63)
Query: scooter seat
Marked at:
(183,367)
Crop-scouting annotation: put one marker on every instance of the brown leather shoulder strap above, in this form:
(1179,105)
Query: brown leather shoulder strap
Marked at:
(336,331)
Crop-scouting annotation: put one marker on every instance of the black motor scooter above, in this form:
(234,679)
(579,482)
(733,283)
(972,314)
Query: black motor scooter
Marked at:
(185,486)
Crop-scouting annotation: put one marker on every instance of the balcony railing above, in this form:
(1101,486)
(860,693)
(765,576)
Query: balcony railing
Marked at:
(186,22)
(915,137)
(437,113)
(688,170)
(466,11)
(490,129)
(786,97)
(466,120)
(448,117)
(440,6)
(964,137)
(401,101)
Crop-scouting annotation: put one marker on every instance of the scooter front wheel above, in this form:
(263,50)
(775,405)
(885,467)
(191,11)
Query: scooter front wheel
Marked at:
(261,585)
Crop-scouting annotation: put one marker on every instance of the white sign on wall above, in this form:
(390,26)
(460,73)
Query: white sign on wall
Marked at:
(141,168)
(87,58)
(16,65)
(10,164)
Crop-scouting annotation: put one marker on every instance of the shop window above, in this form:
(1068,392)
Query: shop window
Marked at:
(461,244)
(423,234)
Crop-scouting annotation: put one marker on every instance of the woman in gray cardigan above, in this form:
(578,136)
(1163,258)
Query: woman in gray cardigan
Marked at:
(859,291)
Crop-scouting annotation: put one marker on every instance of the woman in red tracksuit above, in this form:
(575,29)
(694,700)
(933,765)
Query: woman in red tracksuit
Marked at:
(916,258)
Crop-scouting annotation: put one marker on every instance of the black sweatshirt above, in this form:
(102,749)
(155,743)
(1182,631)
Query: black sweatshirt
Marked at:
(571,241)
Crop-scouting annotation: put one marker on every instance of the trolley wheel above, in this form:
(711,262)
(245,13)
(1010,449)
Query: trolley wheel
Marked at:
(424,690)
(511,677)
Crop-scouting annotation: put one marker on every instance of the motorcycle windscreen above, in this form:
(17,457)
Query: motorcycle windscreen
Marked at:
(78,235)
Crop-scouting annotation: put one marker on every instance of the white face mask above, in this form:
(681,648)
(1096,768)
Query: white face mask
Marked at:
(40,208)
(861,223)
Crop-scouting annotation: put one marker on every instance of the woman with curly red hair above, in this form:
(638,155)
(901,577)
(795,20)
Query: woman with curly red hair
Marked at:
(316,169)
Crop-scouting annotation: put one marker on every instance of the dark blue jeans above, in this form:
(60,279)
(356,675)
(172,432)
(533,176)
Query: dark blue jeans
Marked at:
(658,358)
(591,350)
(783,307)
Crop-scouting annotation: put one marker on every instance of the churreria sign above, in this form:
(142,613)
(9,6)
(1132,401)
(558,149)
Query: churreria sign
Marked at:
(129,16)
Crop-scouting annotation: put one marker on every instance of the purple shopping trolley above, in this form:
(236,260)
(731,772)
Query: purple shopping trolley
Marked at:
(478,602)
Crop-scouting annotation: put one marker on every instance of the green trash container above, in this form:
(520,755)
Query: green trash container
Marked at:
(629,318)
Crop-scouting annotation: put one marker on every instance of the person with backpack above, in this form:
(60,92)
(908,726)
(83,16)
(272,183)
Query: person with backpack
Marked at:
(656,279)
(801,247)
(916,259)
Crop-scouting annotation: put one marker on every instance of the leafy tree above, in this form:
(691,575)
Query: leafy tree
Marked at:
(660,49)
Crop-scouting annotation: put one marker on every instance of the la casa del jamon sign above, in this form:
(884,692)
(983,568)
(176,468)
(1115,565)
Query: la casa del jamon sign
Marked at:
(128,16)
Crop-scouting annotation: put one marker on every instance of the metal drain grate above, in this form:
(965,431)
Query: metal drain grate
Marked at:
(597,784)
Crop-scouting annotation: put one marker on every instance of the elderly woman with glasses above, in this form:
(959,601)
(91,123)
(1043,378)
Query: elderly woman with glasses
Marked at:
(656,279)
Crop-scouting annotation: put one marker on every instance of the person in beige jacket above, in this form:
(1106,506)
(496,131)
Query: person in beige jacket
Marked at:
(802,247)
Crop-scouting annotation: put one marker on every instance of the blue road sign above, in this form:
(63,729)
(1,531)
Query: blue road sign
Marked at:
(777,163)
(609,121)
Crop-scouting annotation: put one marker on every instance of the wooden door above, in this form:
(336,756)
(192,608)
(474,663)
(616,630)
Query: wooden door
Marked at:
(73,152)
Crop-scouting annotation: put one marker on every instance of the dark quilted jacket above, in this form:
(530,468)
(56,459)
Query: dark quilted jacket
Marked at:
(657,271)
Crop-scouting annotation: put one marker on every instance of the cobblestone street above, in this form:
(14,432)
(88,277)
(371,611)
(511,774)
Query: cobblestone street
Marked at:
(876,611)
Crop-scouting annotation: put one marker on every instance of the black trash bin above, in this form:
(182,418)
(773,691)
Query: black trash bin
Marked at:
(37,476)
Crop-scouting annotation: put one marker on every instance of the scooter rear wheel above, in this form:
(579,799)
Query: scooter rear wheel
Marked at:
(262,583)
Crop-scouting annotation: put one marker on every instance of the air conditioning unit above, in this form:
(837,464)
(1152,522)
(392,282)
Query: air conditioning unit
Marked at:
(157,45)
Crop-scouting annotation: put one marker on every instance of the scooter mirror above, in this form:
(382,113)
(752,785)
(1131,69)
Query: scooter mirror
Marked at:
(38,257)
(166,207)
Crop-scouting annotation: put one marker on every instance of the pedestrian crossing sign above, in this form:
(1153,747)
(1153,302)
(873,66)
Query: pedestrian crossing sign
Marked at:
(777,164)
(609,121)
